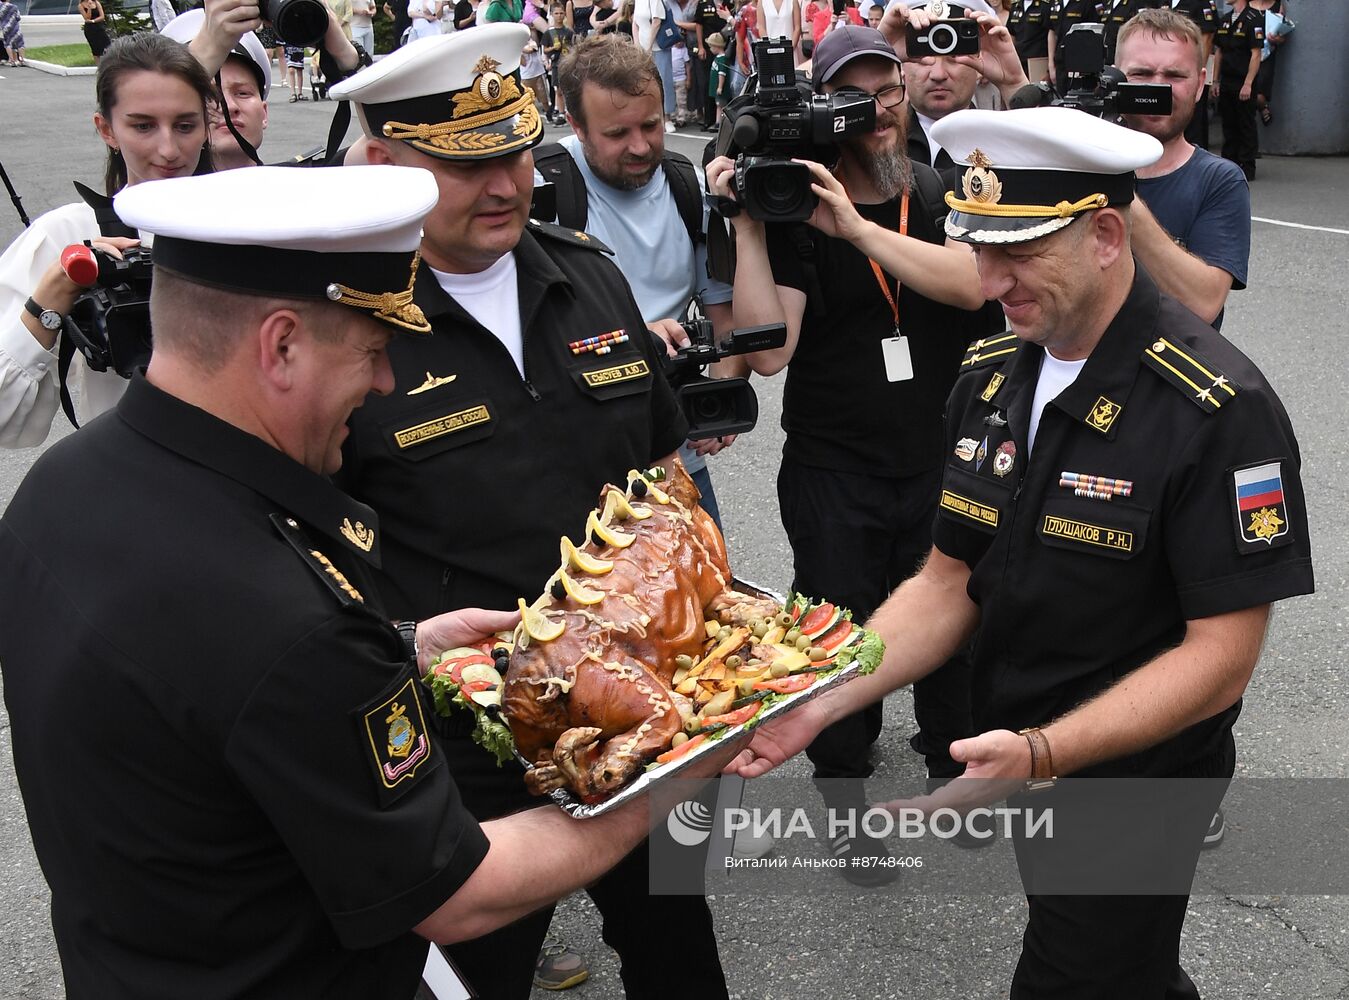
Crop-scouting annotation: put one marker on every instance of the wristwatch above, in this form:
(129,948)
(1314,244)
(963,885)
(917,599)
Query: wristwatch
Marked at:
(49,318)
(408,630)
(1041,762)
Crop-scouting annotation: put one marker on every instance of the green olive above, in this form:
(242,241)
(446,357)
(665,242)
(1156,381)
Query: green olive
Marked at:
(816,653)
(745,686)
(734,661)
(784,619)
(803,642)
(691,726)
(791,636)
(760,630)
(724,633)
(679,739)
(683,661)
(779,669)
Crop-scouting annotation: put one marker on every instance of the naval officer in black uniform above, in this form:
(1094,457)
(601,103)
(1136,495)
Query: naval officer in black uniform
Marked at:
(503,427)
(1120,507)
(221,743)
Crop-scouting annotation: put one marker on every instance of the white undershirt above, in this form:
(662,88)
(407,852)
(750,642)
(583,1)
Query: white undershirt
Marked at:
(1055,376)
(493,299)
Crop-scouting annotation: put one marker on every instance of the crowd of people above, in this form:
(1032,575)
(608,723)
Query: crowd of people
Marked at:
(974,287)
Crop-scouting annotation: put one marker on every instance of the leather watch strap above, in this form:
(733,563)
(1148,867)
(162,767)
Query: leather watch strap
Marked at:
(1041,761)
(408,631)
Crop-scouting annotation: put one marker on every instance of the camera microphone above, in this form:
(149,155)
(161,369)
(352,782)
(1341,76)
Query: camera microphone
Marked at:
(1032,95)
(80,264)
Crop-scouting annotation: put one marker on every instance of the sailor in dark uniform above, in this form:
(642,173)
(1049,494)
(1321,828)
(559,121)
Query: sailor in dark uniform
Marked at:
(504,425)
(221,739)
(1120,507)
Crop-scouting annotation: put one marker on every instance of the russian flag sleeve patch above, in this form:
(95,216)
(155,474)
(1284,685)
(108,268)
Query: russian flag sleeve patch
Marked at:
(1259,508)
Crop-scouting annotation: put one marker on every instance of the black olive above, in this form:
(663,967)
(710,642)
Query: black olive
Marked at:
(639,487)
(596,540)
(499,652)
(503,664)
(558,591)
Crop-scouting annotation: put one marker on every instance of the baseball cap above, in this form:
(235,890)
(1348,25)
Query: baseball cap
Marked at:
(842,45)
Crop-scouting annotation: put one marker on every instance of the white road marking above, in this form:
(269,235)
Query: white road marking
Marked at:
(1298,225)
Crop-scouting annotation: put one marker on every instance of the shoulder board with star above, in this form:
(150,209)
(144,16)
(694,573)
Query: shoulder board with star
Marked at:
(571,237)
(1189,371)
(333,578)
(996,349)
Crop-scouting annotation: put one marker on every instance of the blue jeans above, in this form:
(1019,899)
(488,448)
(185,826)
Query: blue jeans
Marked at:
(366,38)
(665,66)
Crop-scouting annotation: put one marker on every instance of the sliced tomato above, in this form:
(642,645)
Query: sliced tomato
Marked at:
(836,636)
(471,686)
(787,685)
(817,619)
(735,718)
(454,667)
(676,752)
(796,613)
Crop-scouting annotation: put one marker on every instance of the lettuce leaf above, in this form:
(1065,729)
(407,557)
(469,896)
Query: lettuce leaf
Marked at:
(867,653)
(489,732)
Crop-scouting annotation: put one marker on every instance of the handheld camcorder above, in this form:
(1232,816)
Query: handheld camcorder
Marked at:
(957,36)
(297,22)
(110,322)
(782,121)
(718,406)
(1094,87)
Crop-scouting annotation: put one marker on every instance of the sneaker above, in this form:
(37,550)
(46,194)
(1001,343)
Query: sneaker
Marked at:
(1217,826)
(868,876)
(669,126)
(558,967)
(752,845)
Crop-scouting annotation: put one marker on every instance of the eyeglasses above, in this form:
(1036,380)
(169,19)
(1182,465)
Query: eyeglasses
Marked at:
(887,98)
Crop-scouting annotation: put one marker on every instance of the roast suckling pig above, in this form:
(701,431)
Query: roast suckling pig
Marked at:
(589,695)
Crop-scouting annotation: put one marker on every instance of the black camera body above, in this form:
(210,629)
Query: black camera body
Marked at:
(957,36)
(1102,90)
(785,121)
(110,322)
(717,406)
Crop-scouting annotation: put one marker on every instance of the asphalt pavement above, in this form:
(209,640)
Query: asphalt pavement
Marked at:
(889,942)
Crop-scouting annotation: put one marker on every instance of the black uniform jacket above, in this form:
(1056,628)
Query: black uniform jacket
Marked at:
(1205,516)
(223,754)
(477,473)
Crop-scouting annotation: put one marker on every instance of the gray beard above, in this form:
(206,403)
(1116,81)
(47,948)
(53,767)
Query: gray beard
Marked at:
(890,172)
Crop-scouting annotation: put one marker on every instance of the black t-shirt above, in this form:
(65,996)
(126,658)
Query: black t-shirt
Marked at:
(838,409)
(1074,591)
(222,749)
(1201,12)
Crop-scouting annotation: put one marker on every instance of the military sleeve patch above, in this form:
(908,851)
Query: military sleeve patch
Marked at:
(1258,506)
(395,739)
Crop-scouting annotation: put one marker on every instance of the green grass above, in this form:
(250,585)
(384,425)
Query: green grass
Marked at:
(77,54)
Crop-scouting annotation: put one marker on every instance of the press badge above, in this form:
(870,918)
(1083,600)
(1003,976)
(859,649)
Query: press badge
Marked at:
(898,363)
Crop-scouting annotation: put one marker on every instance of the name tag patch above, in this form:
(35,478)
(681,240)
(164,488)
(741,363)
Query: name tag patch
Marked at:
(440,426)
(618,373)
(972,509)
(1112,539)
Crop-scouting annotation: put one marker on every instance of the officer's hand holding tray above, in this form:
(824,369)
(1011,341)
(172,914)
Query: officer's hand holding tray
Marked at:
(643,653)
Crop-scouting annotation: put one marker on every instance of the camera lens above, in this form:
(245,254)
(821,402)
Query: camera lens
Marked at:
(782,190)
(298,22)
(941,38)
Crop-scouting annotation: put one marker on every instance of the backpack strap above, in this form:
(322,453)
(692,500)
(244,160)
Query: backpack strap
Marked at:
(558,168)
(687,191)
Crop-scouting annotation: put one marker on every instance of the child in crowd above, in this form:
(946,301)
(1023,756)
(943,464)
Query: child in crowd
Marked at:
(719,74)
(295,72)
(680,57)
(532,72)
(557,42)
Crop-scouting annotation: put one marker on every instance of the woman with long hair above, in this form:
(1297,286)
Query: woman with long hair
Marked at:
(95,27)
(152,98)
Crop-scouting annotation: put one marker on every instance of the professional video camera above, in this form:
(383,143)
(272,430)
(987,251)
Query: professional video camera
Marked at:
(781,120)
(1093,87)
(718,406)
(110,323)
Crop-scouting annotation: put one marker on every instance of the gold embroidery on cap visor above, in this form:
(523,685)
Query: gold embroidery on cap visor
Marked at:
(396,308)
(491,100)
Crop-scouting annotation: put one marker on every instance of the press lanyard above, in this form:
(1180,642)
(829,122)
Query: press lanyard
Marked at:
(876,268)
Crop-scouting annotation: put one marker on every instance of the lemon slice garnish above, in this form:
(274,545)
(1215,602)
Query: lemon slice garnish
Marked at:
(652,490)
(579,592)
(607,534)
(616,505)
(579,559)
(538,625)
